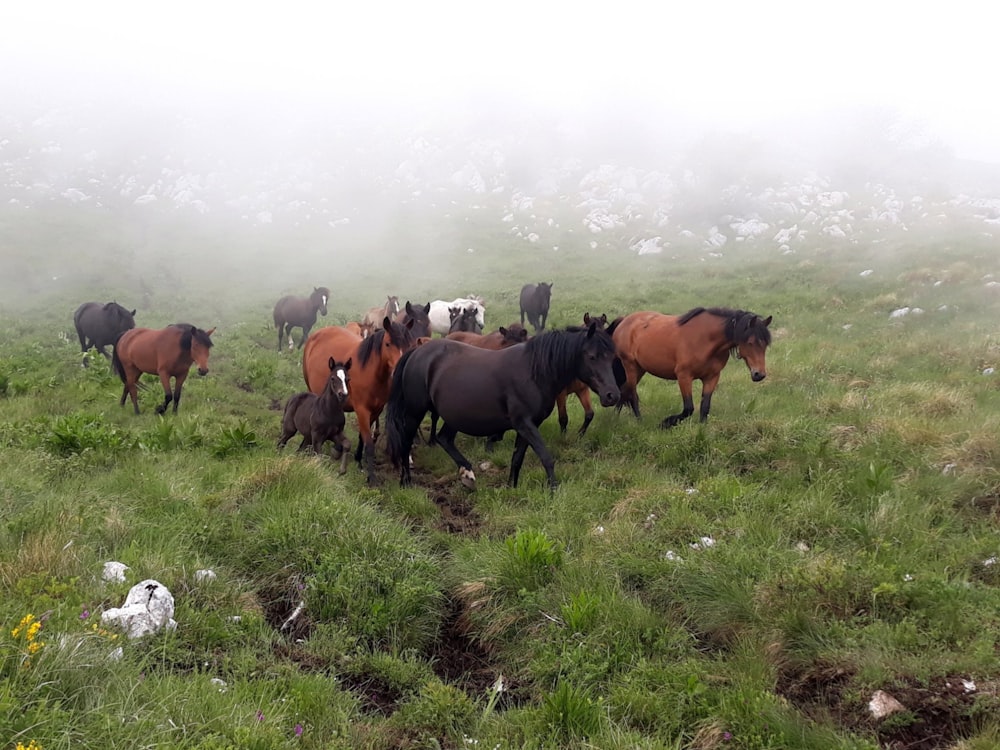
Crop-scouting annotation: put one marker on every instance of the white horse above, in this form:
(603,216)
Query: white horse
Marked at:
(441,318)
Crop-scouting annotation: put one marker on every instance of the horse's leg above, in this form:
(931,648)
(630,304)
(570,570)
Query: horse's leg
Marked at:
(707,389)
(343,446)
(684,382)
(103,351)
(432,440)
(446,439)
(281,331)
(561,408)
(366,444)
(305,335)
(588,411)
(629,389)
(522,317)
(493,440)
(168,396)
(527,431)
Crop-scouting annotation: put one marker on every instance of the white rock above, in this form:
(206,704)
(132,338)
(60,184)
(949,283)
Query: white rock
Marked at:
(148,608)
(204,575)
(882,704)
(114,571)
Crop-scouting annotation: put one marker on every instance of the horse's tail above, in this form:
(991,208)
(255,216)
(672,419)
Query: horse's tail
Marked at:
(116,363)
(395,415)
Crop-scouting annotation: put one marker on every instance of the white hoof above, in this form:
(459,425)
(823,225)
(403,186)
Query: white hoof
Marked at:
(467,478)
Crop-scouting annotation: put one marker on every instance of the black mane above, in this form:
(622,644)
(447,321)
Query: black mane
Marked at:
(555,353)
(188,332)
(399,334)
(741,325)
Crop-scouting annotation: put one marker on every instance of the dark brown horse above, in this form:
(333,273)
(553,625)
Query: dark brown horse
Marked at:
(484,392)
(299,312)
(100,325)
(374,359)
(464,320)
(689,347)
(320,418)
(535,300)
(168,352)
(580,389)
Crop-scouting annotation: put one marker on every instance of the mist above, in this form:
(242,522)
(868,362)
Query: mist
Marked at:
(235,138)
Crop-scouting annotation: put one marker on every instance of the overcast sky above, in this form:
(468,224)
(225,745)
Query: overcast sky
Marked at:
(728,64)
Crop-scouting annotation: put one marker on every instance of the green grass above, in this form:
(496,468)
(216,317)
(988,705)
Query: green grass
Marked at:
(850,500)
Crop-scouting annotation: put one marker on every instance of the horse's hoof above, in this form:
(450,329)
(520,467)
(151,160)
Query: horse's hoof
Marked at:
(468,478)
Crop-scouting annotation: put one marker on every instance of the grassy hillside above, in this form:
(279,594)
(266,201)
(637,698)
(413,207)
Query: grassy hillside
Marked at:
(750,582)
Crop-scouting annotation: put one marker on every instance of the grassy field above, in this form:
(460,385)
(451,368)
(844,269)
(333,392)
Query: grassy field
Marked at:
(748,583)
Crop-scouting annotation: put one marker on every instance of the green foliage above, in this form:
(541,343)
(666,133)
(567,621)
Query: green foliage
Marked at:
(530,562)
(81,432)
(234,440)
(571,713)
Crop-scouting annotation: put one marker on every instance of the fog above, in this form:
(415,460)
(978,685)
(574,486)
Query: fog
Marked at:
(624,127)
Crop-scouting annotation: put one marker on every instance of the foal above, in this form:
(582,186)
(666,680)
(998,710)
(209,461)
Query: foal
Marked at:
(320,418)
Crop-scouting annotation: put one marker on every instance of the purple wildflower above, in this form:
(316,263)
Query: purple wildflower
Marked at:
(85,614)
(726,736)
(260,716)
(298,730)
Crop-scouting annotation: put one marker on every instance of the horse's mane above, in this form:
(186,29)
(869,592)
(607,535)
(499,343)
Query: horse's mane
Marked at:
(555,352)
(399,333)
(741,325)
(188,332)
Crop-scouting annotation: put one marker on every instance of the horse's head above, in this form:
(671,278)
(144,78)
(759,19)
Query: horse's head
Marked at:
(122,320)
(753,346)
(602,322)
(598,364)
(397,339)
(392,305)
(543,291)
(464,320)
(337,384)
(320,296)
(420,316)
(515,333)
(201,343)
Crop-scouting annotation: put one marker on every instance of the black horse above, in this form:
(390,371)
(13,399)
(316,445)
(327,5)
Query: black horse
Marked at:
(420,315)
(320,418)
(464,320)
(535,303)
(100,325)
(485,392)
(299,312)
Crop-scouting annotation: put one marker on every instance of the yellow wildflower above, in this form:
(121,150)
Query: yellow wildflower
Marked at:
(33,745)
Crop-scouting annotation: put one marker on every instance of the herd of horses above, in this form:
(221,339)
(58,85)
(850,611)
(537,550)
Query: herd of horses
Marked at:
(476,383)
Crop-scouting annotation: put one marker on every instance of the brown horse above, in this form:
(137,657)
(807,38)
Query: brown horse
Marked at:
(374,359)
(499,339)
(689,347)
(169,352)
(299,312)
(372,319)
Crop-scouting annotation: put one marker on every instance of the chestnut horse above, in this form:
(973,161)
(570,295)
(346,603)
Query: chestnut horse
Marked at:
(169,352)
(299,312)
(499,339)
(374,358)
(484,392)
(689,347)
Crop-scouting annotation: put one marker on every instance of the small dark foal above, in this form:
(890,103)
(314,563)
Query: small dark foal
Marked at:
(320,418)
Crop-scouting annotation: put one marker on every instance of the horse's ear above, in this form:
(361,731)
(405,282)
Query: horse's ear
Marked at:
(347,364)
(611,328)
(210,331)
(408,308)
(767,321)
(315,288)
(503,331)
(427,307)
(386,323)
(332,364)
(586,318)
(133,312)
(604,319)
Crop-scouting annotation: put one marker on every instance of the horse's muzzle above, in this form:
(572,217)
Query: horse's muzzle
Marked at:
(610,397)
(203,371)
(757,376)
